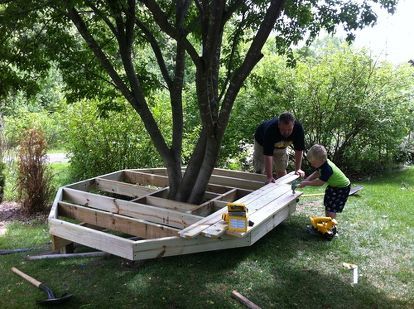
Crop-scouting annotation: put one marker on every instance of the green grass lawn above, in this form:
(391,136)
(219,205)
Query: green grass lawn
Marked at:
(285,269)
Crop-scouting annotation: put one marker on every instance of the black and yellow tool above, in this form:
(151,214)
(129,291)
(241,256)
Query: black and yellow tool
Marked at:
(326,226)
(237,218)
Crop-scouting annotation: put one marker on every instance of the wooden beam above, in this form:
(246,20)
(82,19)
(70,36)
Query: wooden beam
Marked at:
(122,188)
(115,222)
(95,239)
(169,246)
(212,219)
(240,175)
(236,182)
(141,178)
(244,300)
(253,203)
(271,209)
(59,243)
(271,222)
(197,228)
(168,204)
(135,210)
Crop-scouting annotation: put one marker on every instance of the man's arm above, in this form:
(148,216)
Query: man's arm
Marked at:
(298,163)
(268,160)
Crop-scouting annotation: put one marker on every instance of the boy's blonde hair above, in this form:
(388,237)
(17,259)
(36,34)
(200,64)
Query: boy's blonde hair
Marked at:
(317,152)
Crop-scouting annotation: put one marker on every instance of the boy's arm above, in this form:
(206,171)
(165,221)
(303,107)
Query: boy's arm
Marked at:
(312,176)
(312,180)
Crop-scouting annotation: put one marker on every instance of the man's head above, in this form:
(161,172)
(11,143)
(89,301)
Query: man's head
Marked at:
(317,155)
(286,123)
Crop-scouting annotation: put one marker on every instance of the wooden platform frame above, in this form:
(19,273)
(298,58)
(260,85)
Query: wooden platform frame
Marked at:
(126,213)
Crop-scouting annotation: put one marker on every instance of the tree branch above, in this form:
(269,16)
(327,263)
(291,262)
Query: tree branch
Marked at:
(157,51)
(162,21)
(253,56)
(94,46)
(104,17)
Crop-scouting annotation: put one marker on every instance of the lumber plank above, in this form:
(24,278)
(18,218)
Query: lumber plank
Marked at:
(253,205)
(95,239)
(142,178)
(244,300)
(240,174)
(59,243)
(236,182)
(272,209)
(85,185)
(58,197)
(115,222)
(170,246)
(168,204)
(271,222)
(208,205)
(122,188)
(136,210)
(198,227)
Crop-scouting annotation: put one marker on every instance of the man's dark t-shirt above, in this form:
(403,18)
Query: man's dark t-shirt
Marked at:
(268,135)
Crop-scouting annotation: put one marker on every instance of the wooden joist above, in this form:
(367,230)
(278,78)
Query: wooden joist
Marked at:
(137,205)
(144,179)
(167,204)
(169,246)
(131,209)
(205,223)
(254,203)
(122,188)
(92,238)
(131,226)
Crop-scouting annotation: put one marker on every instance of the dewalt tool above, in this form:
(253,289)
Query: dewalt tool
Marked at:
(325,226)
(237,218)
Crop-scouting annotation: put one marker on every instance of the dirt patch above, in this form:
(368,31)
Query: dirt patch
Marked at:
(11,211)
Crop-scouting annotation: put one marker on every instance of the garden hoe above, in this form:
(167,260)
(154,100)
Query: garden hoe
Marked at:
(51,298)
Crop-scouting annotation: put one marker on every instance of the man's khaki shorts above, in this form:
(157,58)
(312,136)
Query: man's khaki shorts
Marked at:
(280,159)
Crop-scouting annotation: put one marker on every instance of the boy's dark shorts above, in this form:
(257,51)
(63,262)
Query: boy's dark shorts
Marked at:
(335,198)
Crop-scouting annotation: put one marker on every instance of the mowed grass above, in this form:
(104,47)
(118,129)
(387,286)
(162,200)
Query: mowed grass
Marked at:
(285,269)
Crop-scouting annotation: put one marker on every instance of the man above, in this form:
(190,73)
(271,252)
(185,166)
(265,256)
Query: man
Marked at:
(271,140)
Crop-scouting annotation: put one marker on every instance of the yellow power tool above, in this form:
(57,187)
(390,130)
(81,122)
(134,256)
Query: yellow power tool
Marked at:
(237,217)
(325,226)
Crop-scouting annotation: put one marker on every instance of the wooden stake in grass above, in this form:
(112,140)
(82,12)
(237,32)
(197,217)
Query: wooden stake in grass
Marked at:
(236,295)
(354,269)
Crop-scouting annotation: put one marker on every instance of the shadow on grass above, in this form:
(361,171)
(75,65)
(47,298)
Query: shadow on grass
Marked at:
(287,268)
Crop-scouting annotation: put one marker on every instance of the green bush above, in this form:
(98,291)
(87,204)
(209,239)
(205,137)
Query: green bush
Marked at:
(100,143)
(22,120)
(360,110)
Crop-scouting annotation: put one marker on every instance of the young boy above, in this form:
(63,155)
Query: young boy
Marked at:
(337,191)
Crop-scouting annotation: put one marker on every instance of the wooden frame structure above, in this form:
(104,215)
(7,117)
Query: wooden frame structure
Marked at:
(126,213)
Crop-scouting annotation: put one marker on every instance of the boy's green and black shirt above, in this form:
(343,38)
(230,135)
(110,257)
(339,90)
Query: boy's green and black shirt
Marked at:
(332,175)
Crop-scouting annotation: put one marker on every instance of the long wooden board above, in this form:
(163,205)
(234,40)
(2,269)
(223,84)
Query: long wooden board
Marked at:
(253,205)
(131,226)
(136,210)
